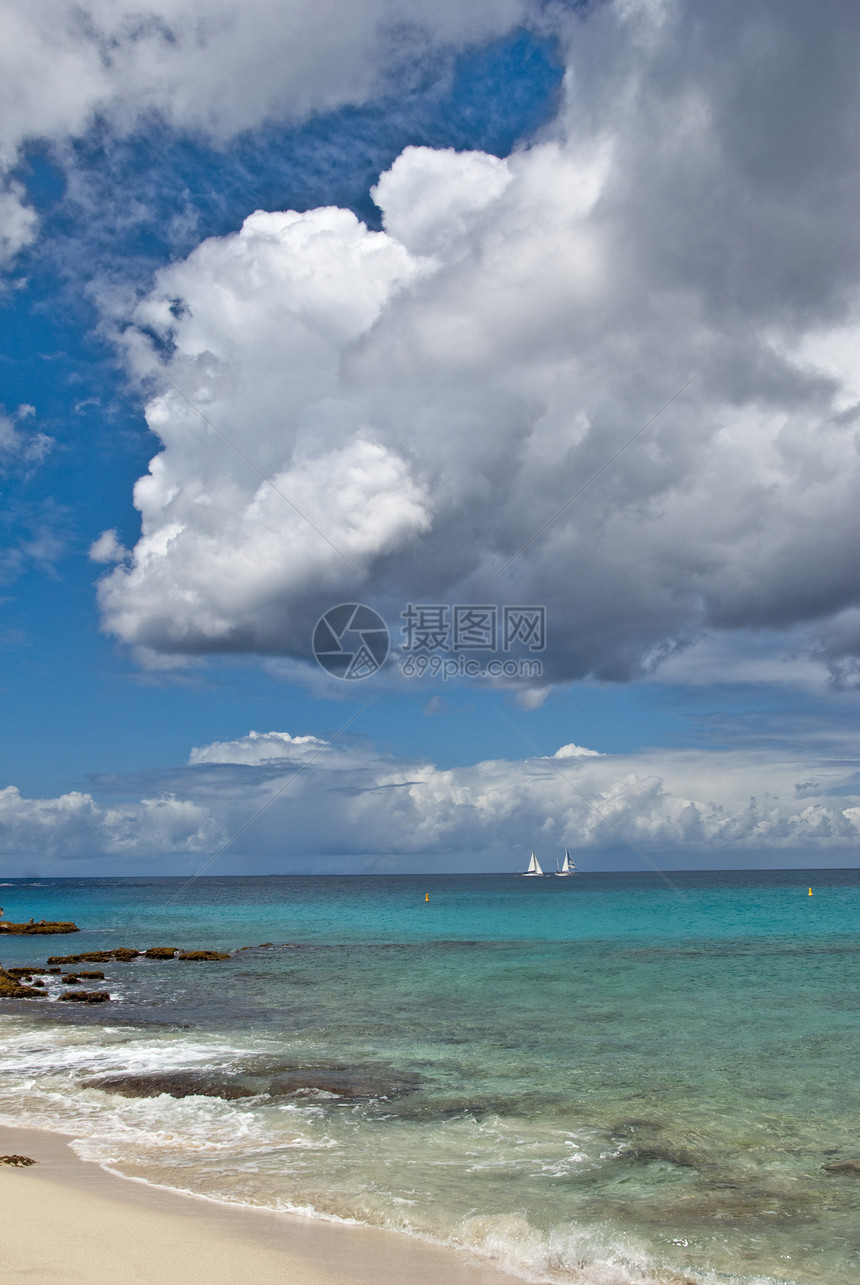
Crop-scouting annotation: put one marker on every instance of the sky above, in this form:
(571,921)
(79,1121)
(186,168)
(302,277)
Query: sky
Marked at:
(530,327)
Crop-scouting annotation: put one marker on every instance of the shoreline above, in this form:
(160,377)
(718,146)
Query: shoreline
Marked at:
(68,1221)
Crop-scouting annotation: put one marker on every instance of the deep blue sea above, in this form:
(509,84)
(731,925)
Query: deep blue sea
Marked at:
(600,1079)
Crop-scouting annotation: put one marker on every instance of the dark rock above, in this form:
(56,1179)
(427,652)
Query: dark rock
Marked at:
(87,997)
(31,929)
(91,977)
(842,1166)
(176,1084)
(125,953)
(19,1162)
(90,957)
(160,952)
(52,970)
(202,954)
(11,988)
(71,979)
(343,1081)
(21,972)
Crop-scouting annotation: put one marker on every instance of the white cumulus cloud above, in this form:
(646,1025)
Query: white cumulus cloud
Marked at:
(451,403)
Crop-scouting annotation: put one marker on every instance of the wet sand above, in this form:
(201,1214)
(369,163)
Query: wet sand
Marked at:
(69,1222)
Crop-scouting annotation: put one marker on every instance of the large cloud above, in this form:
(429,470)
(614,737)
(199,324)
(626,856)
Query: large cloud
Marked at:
(215,68)
(75,825)
(430,397)
(344,805)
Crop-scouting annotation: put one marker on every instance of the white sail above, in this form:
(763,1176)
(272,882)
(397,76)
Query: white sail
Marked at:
(533,867)
(568,867)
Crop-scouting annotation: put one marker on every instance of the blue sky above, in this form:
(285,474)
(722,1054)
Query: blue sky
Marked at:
(560,245)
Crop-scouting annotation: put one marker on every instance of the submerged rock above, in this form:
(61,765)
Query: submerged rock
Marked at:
(87,997)
(176,1084)
(202,954)
(680,1158)
(842,1166)
(94,976)
(338,1081)
(342,1081)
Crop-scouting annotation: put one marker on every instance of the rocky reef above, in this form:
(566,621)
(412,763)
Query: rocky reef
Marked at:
(205,955)
(86,997)
(27,981)
(32,929)
(122,953)
(18,1162)
(11,988)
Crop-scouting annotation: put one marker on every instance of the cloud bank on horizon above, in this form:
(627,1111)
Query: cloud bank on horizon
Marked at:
(347,806)
(432,395)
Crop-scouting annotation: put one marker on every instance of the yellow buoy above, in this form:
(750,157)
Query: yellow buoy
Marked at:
(427,897)
(810,892)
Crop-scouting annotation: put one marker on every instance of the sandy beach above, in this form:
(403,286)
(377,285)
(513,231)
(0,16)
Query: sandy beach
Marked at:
(68,1222)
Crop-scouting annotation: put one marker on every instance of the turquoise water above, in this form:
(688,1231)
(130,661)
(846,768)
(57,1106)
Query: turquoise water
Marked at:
(594,1079)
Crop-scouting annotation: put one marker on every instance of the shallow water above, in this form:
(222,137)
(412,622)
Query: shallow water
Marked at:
(594,1079)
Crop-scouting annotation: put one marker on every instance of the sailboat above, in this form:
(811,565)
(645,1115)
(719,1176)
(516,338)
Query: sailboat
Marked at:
(568,867)
(533,869)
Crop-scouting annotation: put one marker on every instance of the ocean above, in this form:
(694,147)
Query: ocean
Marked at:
(601,1079)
